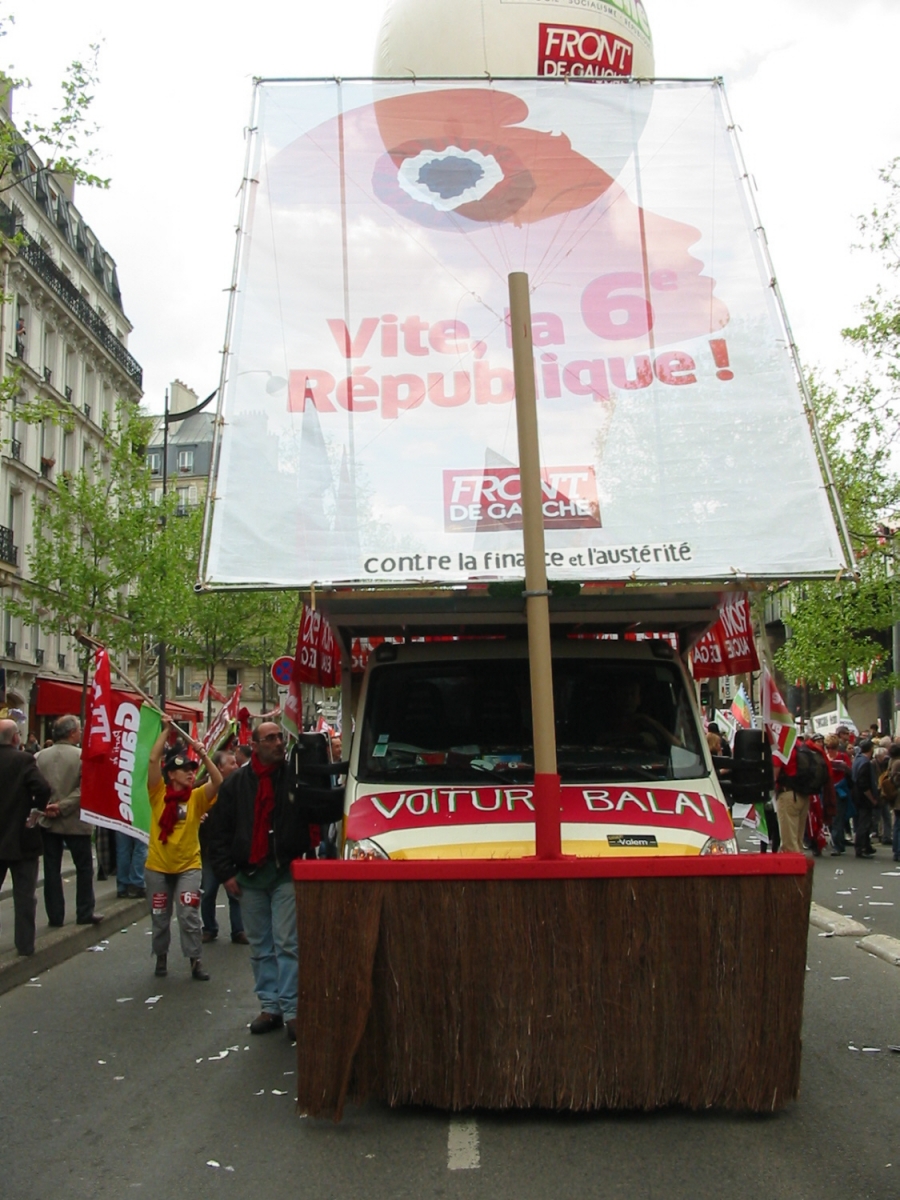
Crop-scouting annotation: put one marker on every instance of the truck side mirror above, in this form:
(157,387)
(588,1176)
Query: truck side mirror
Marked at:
(747,778)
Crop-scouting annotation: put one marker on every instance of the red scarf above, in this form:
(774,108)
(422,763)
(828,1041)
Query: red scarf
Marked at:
(169,818)
(262,809)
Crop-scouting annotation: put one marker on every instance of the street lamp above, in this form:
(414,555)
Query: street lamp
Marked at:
(171,418)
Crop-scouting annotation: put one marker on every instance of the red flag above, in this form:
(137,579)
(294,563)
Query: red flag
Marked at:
(207,691)
(222,723)
(97,740)
(728,648)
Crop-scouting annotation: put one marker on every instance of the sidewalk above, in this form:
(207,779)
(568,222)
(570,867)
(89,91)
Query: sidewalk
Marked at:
(53,946)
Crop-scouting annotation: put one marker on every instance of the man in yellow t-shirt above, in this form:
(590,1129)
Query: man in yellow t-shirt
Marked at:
(172,871)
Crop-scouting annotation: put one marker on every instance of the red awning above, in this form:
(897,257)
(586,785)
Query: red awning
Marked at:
(55,697)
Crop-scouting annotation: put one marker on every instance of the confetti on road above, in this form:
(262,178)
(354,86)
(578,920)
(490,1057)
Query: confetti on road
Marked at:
(211,1162)
(881,903)
(827,933)
(856,1048)
(275,1092)
(101,1061)
(463,1153)
(232,1168)
(216,1057)
(96,949)
(261,1092)
(896,1049)
(152,999)
(871,1049)
(198,1060)
(124,999)
(32,985)
(118,1078)
(839,978)
(843,893)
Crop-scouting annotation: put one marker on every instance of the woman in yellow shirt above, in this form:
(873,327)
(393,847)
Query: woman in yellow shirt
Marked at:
(173,858)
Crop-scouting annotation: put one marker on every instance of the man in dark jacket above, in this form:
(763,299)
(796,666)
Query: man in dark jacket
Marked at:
(865,797)
(22,787)
(259,823)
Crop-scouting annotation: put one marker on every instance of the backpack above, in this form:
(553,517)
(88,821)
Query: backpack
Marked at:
(810,772)
(887,786)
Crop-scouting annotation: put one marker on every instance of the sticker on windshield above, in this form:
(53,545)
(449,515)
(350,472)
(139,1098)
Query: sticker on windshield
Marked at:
(637,840)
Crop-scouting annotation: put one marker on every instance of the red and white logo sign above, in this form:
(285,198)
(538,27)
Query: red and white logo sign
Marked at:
(582,53)
(491,499)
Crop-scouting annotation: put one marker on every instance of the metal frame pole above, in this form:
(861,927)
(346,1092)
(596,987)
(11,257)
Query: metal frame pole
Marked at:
(548,840)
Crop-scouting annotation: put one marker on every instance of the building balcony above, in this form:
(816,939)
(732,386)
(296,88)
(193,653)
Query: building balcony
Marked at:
(9,553)
(38,656)
(15,449)
(65,291)
(61,661)
(47,465)
(10,649)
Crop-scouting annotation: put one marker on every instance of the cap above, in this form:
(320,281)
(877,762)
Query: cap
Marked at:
(180,762)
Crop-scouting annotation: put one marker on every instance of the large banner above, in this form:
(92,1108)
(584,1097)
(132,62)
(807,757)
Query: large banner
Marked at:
(367,427)
(115,753)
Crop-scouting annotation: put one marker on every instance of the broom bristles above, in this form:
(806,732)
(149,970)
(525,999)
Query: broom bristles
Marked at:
(561,994)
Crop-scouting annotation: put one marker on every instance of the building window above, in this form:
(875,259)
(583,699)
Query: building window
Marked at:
(179,682)
(187,499)
(186,461)
(155,461)
(231,677)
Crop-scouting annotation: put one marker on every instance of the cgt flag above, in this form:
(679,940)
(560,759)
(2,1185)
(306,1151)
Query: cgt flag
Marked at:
(115,752)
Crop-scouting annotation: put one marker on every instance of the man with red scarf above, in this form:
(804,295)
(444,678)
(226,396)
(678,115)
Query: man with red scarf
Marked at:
(259,824)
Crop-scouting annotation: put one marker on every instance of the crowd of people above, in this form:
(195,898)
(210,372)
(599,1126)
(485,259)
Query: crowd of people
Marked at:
(852,800)
(239,828)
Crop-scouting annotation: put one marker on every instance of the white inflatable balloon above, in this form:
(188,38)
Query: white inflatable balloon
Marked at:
(577,39)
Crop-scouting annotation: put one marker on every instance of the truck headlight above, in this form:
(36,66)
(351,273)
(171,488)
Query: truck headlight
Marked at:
(365,850)
(716,846)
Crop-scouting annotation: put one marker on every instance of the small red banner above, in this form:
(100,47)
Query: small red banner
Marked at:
(728,648)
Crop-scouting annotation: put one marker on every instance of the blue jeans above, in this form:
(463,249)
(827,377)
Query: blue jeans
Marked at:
(131,854)
(270,921)
(209,886)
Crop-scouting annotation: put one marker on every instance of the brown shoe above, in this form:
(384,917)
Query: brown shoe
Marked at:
(240,939)
(208,936)
(161,966)
(291,1026)
(266,1022)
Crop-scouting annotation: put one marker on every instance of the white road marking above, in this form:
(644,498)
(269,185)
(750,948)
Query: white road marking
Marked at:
(463,1153)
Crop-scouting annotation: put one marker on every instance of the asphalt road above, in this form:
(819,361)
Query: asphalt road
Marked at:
(104,1095)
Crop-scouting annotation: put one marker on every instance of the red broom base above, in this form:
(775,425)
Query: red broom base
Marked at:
(557,993)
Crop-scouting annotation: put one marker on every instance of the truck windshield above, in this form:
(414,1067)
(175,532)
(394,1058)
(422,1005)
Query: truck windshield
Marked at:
(462,721)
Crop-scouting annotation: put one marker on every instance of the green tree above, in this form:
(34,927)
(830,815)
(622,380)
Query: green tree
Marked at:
(93,537)
(64,142)
(840,628)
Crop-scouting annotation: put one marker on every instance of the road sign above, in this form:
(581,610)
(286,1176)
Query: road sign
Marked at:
(282,669)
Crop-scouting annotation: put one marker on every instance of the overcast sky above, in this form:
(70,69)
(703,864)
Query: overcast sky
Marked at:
(812,85)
